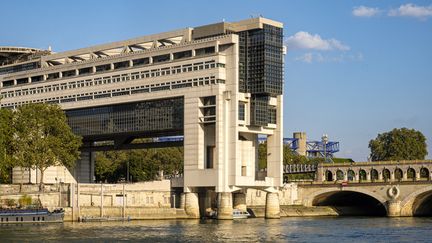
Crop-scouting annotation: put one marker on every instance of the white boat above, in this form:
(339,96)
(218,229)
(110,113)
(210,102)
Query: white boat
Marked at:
(239,214)
(37,215)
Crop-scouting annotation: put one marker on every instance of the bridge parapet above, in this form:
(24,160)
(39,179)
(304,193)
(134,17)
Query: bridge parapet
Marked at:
(406,170)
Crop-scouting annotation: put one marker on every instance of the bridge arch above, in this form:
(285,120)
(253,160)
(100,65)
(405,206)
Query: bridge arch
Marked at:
(418,203)
(411,174)
(349,201)
(386,174)
(340,175)
(424,173)
(351,175)
(362,175)
(374,175)
(328,175)
(398,173)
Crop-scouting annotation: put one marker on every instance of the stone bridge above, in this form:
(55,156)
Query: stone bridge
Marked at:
(392,188)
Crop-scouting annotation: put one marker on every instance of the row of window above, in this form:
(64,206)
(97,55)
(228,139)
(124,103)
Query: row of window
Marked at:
(103,67)
(18,219)
(124,91)
(113,79)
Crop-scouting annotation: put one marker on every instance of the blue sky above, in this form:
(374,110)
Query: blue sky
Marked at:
(354,68)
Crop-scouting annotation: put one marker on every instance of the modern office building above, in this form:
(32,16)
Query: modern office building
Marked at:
(219,86)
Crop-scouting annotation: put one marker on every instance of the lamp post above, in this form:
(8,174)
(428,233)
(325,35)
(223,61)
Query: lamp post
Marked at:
(324,140)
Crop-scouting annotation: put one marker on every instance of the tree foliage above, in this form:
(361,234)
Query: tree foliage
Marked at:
(42,138)
(398,144)
(6,133)
(143,164)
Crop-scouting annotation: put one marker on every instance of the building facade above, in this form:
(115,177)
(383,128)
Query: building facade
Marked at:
(219,86)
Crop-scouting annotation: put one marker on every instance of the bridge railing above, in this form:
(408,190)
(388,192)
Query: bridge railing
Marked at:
(299,168)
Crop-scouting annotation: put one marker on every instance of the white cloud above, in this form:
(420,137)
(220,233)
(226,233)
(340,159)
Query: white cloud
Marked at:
(412,10)
(316,57)
(363,11)
(305,40)
(307,57)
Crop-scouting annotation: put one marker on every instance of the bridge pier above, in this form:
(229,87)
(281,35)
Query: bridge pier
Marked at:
(272,207)
(225,209)
(192,205)
(240,201)
(393,208)
(182,200)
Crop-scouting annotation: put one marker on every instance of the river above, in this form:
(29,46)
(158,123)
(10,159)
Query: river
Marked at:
(295,229)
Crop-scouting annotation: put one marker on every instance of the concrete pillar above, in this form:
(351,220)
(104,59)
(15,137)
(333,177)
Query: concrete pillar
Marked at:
(393,208)
(182,200)
(404,175)
(345,176)
(225,209)
(380,176)
(78,202)
(392,176)
(417,174)
(368,176)
(301,136)
(101,201)
(272,207)
(191,205)
(72,202)
(334,176)
(240,201)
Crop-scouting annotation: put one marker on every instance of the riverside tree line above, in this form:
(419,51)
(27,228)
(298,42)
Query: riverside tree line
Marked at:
(37,136)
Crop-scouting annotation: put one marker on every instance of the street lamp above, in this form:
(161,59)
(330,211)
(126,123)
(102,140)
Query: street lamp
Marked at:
(324,140)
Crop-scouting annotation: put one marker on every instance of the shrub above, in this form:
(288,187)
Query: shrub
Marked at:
(10,202)
(25,200)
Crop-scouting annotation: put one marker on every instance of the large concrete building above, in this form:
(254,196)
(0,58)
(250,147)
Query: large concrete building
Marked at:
(219,86)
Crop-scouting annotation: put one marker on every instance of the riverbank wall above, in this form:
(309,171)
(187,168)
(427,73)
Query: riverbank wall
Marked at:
(146,200)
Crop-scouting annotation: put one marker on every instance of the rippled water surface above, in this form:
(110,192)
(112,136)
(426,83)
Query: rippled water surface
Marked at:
(320,229)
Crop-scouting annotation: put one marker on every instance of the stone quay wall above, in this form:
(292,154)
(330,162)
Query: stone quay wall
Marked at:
(145,200)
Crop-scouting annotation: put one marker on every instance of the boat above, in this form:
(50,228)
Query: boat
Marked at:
(38,215)
(239,214)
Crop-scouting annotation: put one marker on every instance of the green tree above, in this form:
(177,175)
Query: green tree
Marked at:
(398,144)
(144,164)
(6,134)
(108,164)
(43,138)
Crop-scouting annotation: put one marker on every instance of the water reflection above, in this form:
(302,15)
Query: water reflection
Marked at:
(322,229)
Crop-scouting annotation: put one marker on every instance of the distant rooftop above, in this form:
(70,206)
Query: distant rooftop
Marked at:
(14,54)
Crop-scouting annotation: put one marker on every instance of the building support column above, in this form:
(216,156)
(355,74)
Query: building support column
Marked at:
(272,207)
(393,208)
(182,200)
(225,209)
(191,205)
(240,201)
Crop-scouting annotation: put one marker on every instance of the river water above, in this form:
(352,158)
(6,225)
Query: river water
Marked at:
(304,229)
